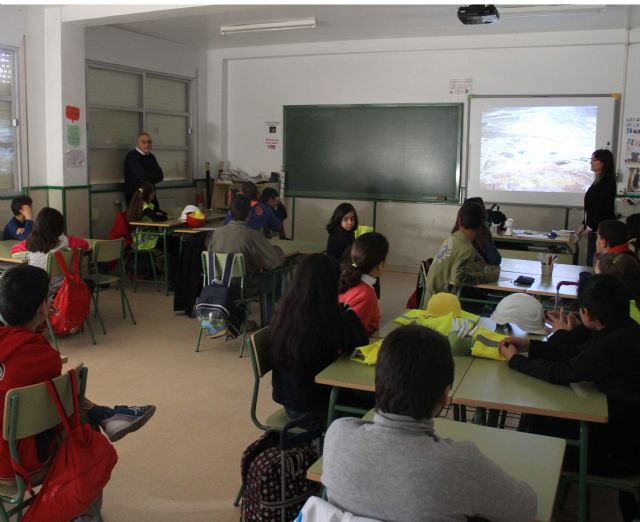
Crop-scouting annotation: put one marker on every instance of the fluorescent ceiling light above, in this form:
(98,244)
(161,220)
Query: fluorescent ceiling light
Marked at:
(307,23)
(555,9)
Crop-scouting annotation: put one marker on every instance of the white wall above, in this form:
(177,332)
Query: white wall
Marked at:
(259,81)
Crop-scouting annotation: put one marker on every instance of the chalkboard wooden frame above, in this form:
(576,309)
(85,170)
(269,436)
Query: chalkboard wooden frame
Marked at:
(441,123)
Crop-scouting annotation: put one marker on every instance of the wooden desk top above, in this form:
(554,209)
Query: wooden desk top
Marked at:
(539,465)
(170,223)
(530,267)
(5,252)
(492,384)
(345,373)
(538,237)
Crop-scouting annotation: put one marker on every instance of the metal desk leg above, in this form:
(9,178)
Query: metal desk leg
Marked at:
(166,261)
(333,399)
(582,471)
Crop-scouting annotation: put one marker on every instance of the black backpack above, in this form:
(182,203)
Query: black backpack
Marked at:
(496,217)
(215,308)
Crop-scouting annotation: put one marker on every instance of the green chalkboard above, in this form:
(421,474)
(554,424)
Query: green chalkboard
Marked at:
(378,152)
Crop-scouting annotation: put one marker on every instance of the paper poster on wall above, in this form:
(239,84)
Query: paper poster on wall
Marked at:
(272,138)
(72,113)
(632,153)
(73,158)
(73,135)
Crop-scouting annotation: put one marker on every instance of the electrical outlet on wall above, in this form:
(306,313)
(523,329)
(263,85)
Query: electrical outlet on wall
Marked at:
(460,86)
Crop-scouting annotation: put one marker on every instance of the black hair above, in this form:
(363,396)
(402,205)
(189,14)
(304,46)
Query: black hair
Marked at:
(633,227)
(614,232)
(471,215)
(625,268)
(605,297)
(17,204)
(471,201)
(336,218)
(305,331)
(367,252)
(605,156)
(267,194)
(144,194)
(23,288)
(249,189)
(47,229)
(414,367)
(240,207)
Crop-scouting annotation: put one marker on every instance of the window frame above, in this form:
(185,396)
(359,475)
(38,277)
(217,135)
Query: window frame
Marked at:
(15,100)
(142,111)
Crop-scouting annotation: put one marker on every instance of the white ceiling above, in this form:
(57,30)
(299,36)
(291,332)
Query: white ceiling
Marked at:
(200,26)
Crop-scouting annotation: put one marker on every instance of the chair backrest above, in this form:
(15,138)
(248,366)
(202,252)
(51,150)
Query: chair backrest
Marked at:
(259,349)
(237,270)
(30,410)
(53,269)
(105,250)
(425,265)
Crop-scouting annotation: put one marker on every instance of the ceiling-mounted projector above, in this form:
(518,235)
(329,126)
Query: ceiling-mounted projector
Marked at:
(478,14)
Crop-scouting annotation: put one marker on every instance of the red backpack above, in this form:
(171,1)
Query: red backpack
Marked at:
(73,299)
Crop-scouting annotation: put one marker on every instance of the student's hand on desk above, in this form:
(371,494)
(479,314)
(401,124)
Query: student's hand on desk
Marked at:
(507,350)
(512,345)
(19,230)
(561,321)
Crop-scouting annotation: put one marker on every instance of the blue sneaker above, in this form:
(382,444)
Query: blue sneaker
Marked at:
(125,420)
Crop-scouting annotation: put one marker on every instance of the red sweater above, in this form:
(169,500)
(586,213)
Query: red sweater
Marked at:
(26,358)
(363,301)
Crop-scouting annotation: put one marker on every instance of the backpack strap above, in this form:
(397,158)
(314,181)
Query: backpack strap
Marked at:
(228,269)
(212,266)
(76,261)
(60,260)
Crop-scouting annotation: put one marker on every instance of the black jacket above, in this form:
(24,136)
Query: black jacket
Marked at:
(339,240)
(138,168)
(599,202)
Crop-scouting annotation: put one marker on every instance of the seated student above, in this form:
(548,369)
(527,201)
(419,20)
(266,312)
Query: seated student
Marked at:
(612,237)
(627,270)
(397,468)
(359,275)
(309,331)
(259,253)
(142,208)
(605,350)
(458,262)
(20,225)
(342,231)
(47,236)
(28,358)
(483,242)
(271,198)
(261,216)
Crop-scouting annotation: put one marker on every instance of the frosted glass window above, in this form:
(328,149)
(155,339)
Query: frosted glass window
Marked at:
(113,127)
(7,72)
(162,94)
(117,88)
(167,130)
(7,131)
(105,166)
(173,162)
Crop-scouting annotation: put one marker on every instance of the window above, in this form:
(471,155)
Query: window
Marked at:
(122,103)
(9,156)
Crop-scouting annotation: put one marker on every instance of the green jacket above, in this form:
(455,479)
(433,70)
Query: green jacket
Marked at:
(458,263)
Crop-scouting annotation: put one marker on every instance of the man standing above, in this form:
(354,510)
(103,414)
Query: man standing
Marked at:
(140,165)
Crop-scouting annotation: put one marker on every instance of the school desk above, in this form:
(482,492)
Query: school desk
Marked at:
(535,459)
(492,384)
(347,374)
(521,240)
(6,259)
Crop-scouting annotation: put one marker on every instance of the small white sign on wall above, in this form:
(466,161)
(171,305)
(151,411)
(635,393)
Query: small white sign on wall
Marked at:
(460,86)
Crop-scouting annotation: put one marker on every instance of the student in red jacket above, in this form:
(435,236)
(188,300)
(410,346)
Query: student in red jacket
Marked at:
(26,358)
(368,254)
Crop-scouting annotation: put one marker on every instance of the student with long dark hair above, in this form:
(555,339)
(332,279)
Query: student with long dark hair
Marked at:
(599,200)
(342,230)
(359,275)
(310,330)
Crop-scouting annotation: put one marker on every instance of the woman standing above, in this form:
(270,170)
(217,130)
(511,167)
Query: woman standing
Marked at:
(599,200)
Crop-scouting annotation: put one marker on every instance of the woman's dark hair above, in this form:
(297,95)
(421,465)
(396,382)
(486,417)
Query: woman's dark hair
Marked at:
(414,367)
(267,194)
(367,252)
(336,218)
(633,226)
(625,268)
(605,297)
(140,197)
(470,201)
(305,332)
(47,229)
(605,156)
(23,288)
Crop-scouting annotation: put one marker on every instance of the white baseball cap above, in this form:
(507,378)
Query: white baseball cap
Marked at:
(523,310)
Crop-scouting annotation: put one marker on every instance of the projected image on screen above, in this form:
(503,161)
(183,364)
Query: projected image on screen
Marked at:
(537,149)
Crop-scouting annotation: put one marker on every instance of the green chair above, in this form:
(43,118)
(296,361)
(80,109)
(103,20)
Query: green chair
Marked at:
(110,251)
(424,267)
(55,271)
(237,273)
(152,254)
(28,411)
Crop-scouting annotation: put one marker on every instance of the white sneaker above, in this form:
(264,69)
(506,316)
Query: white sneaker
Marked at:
(125,420)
